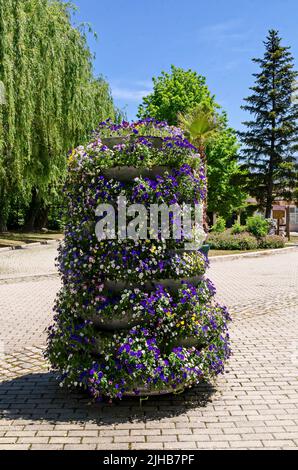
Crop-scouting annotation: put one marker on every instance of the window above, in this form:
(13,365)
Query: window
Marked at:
(294,215)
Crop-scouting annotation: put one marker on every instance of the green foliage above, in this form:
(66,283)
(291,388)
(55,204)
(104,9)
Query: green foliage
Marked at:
(226,193)
(219,226)
(272,241)
(176,92)
(227,241)
(270,140)
(251,237)
(185,94)
(258,226)
(200,124)
(238,228)
(244,241)
(52,99)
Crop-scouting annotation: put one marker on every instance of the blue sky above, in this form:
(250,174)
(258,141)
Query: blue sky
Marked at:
(137,39)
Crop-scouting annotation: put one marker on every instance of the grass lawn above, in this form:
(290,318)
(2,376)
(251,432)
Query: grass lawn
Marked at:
(236,252)
(230,252)
(14,239)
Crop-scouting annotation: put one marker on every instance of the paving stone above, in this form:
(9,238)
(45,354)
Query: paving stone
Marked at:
(131,439)
(80,447)
(46,447)
(253,406)
(163,438)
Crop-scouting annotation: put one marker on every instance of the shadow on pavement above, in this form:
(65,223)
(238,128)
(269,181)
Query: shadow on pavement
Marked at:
(38,397)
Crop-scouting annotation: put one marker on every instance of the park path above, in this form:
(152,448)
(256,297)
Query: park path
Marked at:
(254,405)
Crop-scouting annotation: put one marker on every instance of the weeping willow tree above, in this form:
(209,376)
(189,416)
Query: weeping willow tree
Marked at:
(52,101)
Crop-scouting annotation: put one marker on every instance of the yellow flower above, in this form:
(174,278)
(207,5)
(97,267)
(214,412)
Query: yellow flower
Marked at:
(71,157)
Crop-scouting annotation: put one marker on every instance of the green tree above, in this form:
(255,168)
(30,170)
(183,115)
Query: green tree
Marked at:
(217,143)
(226,192)
(185,93)
(52,101)
(173,93)
(270,140)
(201,124)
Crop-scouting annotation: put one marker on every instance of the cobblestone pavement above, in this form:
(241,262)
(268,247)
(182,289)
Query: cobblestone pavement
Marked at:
(28,262)
(254,405)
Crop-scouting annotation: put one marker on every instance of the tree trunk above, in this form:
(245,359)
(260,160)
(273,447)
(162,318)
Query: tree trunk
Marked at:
(3,211)
(270,183)
(268,210)
(3,226)
(41,219)
(31,215)
(202,152)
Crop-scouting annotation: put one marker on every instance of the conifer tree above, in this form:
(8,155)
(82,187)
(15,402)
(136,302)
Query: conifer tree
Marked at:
(270,138)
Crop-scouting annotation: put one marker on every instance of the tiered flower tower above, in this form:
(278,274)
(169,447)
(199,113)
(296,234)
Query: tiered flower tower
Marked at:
(134,317)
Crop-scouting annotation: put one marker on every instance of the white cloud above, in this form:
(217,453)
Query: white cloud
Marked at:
(228,32)
(129,95)
(143,83)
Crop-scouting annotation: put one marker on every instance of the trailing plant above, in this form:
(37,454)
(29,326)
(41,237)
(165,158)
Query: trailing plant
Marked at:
(172,338)
(167,147)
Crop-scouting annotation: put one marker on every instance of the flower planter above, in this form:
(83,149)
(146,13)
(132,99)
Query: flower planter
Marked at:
(152,392)
(105,353)
(173,284)
(170,284)
(126,174)
(187,342)
(100,342)
(205,250)
(111,142)
(114,324)
(183,251)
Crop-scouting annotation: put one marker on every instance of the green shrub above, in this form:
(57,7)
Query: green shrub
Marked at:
(228,241)
(258,226)
(243,241)
(238,228)
(219,226)
(271,241)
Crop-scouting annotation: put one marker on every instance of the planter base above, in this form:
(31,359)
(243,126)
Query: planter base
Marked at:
(146,392)
(187,342)
(171,284)
(127,174)
(115,324)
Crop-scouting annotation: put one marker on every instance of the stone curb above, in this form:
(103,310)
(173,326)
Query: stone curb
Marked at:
(30,245)
(214,259)
(9,278)
(254,254)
